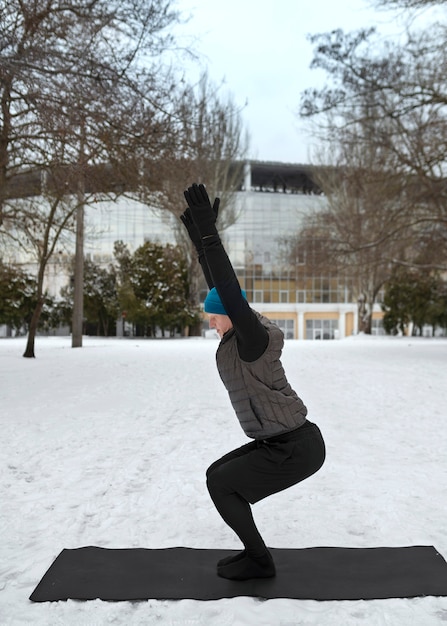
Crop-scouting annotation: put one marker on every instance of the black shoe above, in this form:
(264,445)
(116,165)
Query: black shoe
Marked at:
(231,559)
(249,567)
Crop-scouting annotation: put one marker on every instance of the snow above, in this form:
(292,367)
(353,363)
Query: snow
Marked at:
(108,445)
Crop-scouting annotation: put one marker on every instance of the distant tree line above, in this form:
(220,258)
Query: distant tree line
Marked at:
(147,292)
(18,300)
(414,299)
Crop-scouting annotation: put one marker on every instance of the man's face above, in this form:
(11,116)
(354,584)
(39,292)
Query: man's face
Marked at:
(221,323)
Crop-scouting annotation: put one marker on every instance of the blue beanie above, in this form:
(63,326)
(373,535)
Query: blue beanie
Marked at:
(213,303)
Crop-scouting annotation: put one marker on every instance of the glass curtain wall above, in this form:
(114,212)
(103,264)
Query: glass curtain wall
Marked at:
(271,265)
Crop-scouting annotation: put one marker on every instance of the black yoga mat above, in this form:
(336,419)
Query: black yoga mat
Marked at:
(309,573)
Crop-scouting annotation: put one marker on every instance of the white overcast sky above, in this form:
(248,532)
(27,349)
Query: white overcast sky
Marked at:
(259,48)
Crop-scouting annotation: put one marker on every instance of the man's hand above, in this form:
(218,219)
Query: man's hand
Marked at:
(200,210)
(193,233)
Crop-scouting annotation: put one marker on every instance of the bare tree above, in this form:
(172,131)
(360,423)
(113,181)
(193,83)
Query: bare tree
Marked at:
(398,95)
(70,75)
(207,144)
(409,4)
(363,226)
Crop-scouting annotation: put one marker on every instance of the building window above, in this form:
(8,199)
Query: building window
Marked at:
(377,327)
(287,327)
(284,296)
(257,295)
(321,329)
(320,289)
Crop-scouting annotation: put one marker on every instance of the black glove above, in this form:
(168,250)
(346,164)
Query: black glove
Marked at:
(193,233)
(200,210)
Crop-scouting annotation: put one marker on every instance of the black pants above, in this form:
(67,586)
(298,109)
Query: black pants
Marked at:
(258,469)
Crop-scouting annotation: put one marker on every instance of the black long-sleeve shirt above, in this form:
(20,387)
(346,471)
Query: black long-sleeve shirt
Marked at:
(252,337)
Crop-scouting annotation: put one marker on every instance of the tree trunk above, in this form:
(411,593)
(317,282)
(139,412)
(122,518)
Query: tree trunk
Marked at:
(104,324)
(194,272)
(364,315)
(195,330)
(29,351)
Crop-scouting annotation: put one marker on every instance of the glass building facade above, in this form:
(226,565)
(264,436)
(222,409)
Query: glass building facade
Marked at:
(277,273)
(262,249)
(278,276)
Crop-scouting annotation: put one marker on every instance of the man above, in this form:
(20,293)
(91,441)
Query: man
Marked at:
(287,448)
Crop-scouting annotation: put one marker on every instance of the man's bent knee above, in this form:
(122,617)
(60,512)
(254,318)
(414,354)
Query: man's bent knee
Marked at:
(216,482)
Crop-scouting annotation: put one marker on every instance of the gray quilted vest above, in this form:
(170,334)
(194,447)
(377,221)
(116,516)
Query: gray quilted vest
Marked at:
(265,403)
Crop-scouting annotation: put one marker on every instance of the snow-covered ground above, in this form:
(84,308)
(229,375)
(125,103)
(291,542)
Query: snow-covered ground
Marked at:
(108,445)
